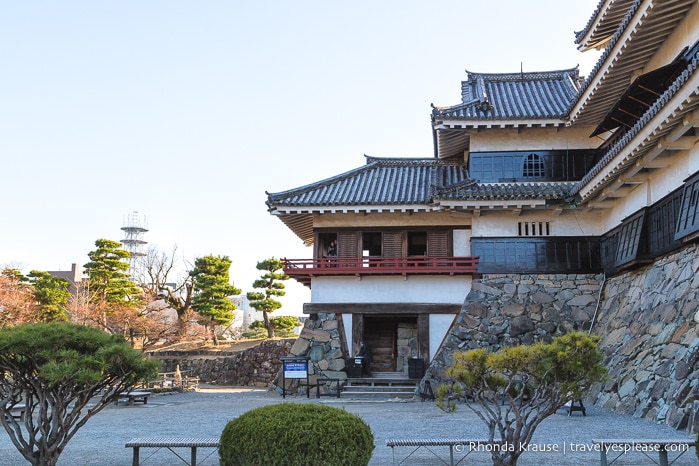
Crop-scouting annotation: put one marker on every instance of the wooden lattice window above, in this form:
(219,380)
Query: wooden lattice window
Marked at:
(533,166)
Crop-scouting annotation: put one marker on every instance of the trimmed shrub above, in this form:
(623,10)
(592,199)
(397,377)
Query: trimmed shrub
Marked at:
(293,434)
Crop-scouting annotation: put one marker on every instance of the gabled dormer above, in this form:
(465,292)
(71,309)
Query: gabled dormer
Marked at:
(506,102)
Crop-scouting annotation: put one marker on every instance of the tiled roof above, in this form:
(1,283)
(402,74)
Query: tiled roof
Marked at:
(390,181)
(474,191)
(402,181)
(513,96)
(397,183)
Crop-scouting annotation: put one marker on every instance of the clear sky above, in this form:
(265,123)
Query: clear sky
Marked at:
(187,112)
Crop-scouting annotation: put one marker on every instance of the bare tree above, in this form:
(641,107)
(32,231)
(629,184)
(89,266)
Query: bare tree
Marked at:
(17,303)
(175,292)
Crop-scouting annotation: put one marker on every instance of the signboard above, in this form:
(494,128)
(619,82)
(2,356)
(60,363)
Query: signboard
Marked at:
(295,369)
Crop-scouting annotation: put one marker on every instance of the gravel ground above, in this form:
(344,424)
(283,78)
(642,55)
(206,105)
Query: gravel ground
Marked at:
(205,413)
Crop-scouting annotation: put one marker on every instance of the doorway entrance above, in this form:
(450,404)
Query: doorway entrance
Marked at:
(393,340)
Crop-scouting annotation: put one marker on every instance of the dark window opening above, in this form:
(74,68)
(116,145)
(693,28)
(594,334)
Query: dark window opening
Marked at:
(327,245)
(371,244)
(417,243)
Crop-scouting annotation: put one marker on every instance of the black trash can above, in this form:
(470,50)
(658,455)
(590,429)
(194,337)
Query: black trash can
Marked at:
(416,368)
(354,368)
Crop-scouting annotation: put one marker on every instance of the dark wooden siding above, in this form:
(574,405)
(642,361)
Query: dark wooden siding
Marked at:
(537,255)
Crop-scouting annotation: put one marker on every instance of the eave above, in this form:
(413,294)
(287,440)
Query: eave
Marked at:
(603,24)
(300,220)
(637,39)
(653,145)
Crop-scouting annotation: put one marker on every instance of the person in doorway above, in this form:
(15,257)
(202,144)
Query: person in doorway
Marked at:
(332,249)
(365,352)
(332,254)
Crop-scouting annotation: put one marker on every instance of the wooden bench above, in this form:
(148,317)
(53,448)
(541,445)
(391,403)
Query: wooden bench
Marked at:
(643,446)
(18,412)
(133,397)
(459,446)
(170,443)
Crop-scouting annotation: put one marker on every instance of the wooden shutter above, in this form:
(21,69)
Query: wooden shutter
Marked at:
(393,244)
(630,244)
(347,245)
(437,243)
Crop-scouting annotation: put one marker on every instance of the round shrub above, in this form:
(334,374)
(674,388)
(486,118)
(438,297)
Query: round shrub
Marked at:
(293,434)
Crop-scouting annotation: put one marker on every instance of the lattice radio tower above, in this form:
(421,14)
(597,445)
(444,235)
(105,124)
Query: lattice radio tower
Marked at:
(134,228)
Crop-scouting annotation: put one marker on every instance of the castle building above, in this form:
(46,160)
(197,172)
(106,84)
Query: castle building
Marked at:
(534,173)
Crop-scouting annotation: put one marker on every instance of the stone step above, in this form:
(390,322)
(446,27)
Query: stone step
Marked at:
(386,394)
(381,395)
(370,389)
(382,381)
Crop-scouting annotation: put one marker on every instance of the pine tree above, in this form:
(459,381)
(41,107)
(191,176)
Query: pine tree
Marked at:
(212,291)
(270,283)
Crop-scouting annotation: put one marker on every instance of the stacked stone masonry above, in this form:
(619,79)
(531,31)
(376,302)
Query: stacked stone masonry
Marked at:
(257,366)
(649,332)
(319,340)
(647,320)
(508,310)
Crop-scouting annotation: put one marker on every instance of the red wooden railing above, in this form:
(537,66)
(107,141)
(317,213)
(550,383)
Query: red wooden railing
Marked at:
(297,268)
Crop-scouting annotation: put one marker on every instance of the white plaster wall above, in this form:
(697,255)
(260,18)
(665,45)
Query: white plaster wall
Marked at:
(391,289)
(572,222)
(462,242)
(514,139)
(347,323)
(660,183)
(439,326)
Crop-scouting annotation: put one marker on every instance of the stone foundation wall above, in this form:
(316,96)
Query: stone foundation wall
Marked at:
(649,332)
(647,321)
(319,340)
(510,309)
(257,366)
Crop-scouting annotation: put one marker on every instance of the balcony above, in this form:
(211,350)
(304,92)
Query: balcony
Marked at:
(303,270)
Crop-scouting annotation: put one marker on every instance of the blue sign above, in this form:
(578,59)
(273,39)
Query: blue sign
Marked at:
(295,369)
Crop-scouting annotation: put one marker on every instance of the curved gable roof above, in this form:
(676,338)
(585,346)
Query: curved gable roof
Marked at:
(541,95)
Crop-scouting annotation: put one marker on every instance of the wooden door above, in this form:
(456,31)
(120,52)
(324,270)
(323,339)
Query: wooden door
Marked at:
(380,335)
